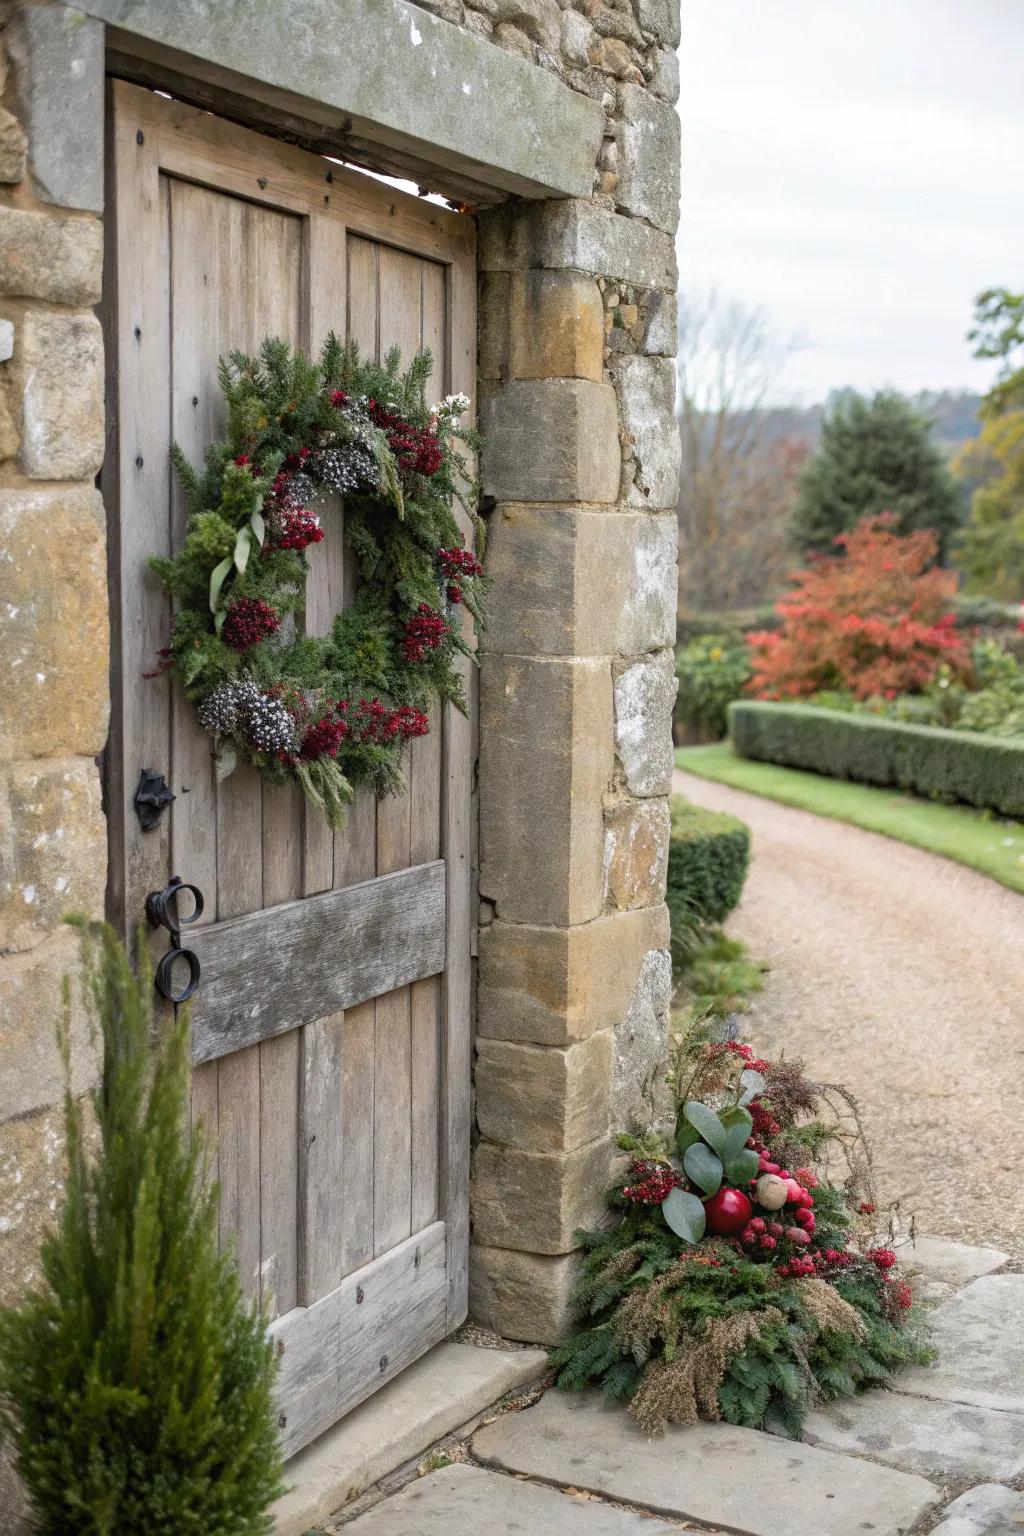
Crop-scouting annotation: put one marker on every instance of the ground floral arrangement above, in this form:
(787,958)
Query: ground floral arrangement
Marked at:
(336,710)
(744,1279)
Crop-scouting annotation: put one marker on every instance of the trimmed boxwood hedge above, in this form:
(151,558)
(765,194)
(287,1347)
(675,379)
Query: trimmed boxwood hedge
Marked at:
(981,770)
(708,857)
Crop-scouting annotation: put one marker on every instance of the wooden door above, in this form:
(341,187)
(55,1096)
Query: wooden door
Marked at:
(331,1028)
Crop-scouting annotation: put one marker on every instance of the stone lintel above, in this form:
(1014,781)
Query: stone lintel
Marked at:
(464,106)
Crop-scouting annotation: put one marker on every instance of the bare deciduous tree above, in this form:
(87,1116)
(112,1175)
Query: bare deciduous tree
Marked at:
(741,458)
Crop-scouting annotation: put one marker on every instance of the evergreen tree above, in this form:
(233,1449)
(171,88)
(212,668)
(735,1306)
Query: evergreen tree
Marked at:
(135,1383)
(875,456)
(991,550)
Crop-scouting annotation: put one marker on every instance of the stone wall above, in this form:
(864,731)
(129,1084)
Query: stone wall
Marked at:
(53,635)
(577,384)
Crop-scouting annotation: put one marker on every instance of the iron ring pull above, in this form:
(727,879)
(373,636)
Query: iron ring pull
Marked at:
(162,912)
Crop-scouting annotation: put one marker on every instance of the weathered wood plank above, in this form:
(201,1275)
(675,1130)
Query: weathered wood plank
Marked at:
(458,832)
(338,1351)
(425,1006)
(392,1120)
(327,952)
(357,1100)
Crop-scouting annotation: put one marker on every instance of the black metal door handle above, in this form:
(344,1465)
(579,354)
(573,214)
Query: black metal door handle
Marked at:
(162,912)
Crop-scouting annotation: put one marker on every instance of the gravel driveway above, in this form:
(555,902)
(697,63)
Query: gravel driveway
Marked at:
(901,975)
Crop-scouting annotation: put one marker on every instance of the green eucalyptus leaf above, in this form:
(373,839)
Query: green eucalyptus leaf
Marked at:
(736,1138)
(685,1215)
(735,1114)
(243,545)
(704,1167)
(707,1123)
(686,1135)
(226,760)
(258,527)
(743,1167)
(752,1084)
(218,576)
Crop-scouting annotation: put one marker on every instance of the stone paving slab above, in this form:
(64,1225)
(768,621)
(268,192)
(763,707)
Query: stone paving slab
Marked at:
(442,1391)
(941,1440)
(985,1511)
(468,1501)
(955,1264)
(746,1481)
(978,1336)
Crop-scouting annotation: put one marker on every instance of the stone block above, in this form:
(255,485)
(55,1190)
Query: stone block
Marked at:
(550,440)
(613,56)
(522,1295)
(641,1099)
(649,153)
(539,20)
(646,387)
(60,78)
(644,695)
(664,81)
(716,1475)
(50,256)
(494,301)
(576,37)
(540,1098)
(536,1201)
(54,641)
(660,18)
(31,1002)
(545,762)
(31,1190)
(660,336)
(556,326)
(58,369)
(53,844)
(572,233)
(580,581)
(636,838)
(557,985)
(13,148)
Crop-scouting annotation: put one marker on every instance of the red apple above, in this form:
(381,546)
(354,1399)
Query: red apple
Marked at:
(728,1212)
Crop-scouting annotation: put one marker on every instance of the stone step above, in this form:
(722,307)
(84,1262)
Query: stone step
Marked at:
(956,1264)
(985,1511)
(716,1474)
(978,1336)
(941,1440)
(468,1501)
(441,1392)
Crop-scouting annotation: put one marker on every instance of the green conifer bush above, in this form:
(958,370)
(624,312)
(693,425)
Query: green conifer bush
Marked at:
(136,1383)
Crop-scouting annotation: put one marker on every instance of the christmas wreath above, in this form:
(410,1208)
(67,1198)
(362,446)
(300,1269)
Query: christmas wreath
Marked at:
(744,1279)
(336,710)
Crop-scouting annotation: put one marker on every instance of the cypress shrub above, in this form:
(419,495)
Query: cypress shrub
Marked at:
(708,856)
(136,1383)
(986,771)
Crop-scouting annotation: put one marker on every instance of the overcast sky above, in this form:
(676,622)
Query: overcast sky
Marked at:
(855,166)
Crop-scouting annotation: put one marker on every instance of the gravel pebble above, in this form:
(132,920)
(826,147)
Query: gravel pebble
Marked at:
(901,975)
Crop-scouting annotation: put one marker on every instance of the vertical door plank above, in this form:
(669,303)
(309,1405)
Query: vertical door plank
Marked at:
(460,737)
(135,488)
(425,1008)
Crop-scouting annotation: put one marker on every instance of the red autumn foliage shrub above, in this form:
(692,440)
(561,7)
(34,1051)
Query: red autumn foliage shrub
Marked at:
(871,621)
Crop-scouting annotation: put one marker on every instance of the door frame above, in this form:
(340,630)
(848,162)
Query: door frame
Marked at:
(149,135)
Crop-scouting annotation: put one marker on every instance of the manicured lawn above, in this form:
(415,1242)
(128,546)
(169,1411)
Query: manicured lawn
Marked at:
(976,838)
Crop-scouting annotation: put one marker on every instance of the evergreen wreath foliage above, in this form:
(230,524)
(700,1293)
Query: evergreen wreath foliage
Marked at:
(331,711)
(136,1383)
(702,1303)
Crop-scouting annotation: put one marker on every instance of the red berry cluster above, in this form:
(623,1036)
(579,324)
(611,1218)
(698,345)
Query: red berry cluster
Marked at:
(897,1298)
(866,1208)
(424,631)
(650,1182)
(882,1258)
(765,1123)
(324,736)
(249,620)
(458,565)
(416,449)
(297,527)
(373,722)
